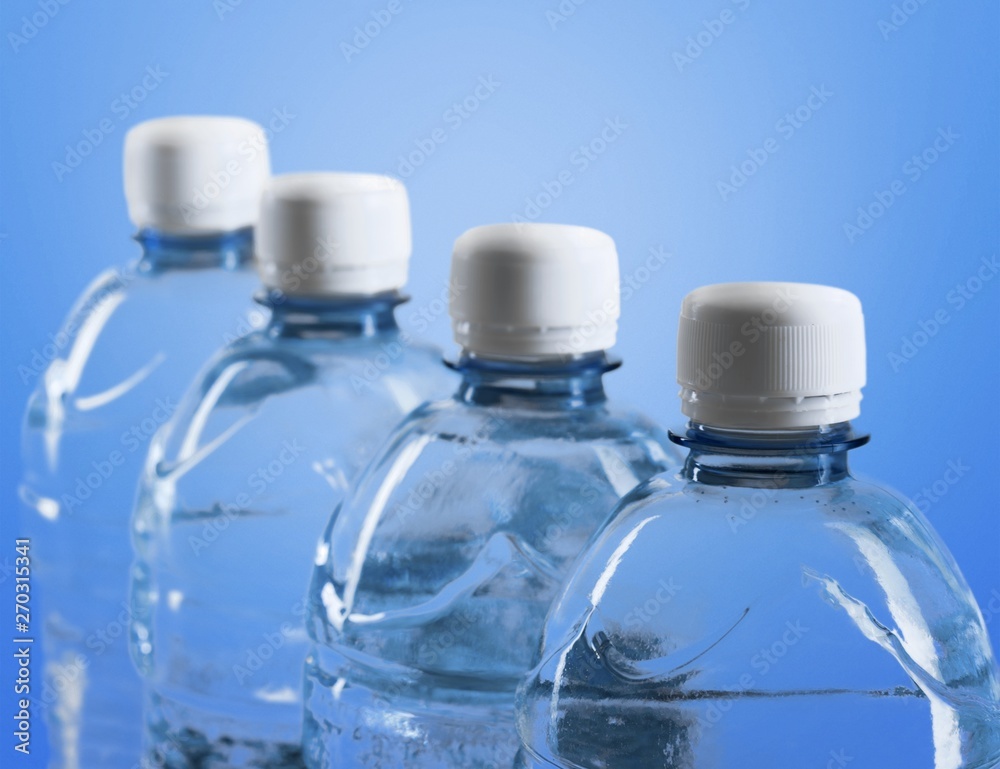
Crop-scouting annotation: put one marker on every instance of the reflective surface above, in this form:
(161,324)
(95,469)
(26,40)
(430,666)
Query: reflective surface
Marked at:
(131,345)
(235,496)
(762,608)
(434,578)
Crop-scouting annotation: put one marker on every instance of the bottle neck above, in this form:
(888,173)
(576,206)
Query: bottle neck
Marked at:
(542,383)
(799,458)
(346,317)
(162,251)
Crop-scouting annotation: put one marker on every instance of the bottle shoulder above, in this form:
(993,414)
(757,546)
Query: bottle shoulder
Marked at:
(260,366)
(600,423)
(458,486)
(739,518)
(512,441)
(261,387)
(689,578)
(130,326)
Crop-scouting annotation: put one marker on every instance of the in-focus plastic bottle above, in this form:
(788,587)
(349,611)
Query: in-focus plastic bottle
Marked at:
(127,351)
(435,575)
(761,607)
(241,483)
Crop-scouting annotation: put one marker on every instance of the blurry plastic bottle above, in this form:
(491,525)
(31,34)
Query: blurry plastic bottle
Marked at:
(434,578)
(761,607)
(241,483)
(130,346)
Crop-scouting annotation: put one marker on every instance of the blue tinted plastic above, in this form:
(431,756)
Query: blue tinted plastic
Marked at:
(763,608)
(235,496)
(127,351)
(435,576)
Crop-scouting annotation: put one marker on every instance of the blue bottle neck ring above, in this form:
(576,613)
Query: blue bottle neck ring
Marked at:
(336,316)
(797,458)
(162,251)
(562,383)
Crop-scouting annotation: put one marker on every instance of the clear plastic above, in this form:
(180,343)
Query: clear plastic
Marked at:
(127,351)
(235,496)
(434,578)
(763,608)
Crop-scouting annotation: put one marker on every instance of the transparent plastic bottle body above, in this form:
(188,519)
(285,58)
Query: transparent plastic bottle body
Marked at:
(764,610)
(236,494)
(434,577)
(128,350)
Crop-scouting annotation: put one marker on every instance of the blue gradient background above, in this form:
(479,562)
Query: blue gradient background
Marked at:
(655,186)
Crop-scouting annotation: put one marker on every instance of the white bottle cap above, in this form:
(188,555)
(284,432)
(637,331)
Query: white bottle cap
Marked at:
(770,355)
(529,290)
(323,234)
(191,175)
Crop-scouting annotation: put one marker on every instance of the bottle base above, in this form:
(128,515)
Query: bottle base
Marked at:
(182,737)
(358,726)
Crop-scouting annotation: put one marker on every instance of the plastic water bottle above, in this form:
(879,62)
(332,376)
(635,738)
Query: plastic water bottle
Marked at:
(130,346)
(761,607)
(241,483)
(434,578)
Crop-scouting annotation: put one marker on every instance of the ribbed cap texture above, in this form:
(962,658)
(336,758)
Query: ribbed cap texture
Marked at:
(534,290)
(771,355)
(193,175)
(323,234)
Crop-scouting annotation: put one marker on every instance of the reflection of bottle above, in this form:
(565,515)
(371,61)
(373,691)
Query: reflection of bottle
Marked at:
(434,579)
(811,619)
(129,348)
(240,484)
